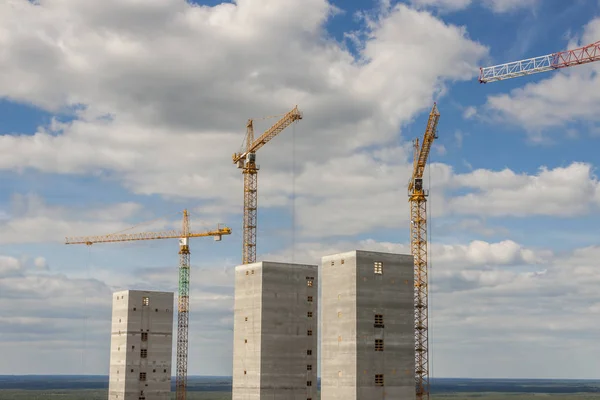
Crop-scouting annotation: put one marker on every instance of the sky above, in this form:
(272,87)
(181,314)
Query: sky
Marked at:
(122,113)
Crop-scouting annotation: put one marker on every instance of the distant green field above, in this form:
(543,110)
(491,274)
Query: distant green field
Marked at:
(76,394)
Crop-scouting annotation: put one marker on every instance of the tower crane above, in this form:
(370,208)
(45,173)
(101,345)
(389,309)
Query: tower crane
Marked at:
(246,161)
(184,281)
(549,62)
(417,196)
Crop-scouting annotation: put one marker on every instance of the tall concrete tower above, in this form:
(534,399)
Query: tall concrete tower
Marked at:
(367,331)
(275,331)
(141,345)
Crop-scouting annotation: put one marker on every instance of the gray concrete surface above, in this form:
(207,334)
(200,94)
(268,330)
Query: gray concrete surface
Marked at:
(131,320)
(271,324)
(352,294)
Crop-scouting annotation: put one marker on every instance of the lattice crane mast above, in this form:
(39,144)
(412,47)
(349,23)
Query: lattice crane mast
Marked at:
(246,161)
(184,281)
(550,62)
(417,197)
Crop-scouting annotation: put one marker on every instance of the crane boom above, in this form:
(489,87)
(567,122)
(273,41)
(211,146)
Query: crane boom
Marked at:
(549,62)
(247,162)
(124,237)
(252,146)
(183,300)
(417,197)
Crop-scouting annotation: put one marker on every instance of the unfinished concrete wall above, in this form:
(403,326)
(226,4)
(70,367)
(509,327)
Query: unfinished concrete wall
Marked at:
(275,332)
(141,345)
(367,345)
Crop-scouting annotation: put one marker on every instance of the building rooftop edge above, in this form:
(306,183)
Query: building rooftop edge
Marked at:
(366,251)
(274,264)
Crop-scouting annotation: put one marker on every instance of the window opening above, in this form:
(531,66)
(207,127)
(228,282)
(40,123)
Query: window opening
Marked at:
(378,267)
(378,344)
(145,301)
(378,321)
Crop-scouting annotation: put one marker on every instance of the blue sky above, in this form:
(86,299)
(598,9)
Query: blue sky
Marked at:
(513,184)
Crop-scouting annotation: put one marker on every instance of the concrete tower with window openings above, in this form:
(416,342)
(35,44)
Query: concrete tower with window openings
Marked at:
(275,332)
(141,345)
(367,330)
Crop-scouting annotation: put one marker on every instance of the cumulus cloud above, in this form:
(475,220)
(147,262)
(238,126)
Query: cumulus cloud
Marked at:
(31,220)
(496,6)
(562,191)
(155,118)
(559,98)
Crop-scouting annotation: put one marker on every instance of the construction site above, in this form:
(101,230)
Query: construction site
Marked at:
(374,305)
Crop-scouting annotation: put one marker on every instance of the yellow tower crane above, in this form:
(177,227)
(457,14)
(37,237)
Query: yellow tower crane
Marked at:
(246,161)
(417,197)
(184,281)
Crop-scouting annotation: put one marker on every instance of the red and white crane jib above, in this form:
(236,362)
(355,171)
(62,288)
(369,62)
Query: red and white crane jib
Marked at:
(567,58)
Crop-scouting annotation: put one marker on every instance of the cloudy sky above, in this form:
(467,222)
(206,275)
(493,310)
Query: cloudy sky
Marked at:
(119,112)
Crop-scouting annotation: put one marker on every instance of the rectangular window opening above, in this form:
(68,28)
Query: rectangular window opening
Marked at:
(309,314)
(142,376)
(309,352)
(308,383)
(309,283)
(378,267)
(309,367)
(144,336)
(309,332)
(145,301)
(310,299)
(378,321)
(379,380)
(378,344)
(144,353)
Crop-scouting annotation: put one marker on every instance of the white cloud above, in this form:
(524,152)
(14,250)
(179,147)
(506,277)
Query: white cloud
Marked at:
(504,6)
(562,191)
(179,99)
(443,5)
(469,112)
(32,220)
(496,6)
(559,98)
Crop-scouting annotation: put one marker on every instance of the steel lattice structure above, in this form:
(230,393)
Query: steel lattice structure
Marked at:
(550,62)
(247,162)
(183,299)
(417,197)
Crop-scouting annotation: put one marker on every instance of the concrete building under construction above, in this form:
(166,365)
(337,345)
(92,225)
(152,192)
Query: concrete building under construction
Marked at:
(141,345)
(367,343)
(275,331)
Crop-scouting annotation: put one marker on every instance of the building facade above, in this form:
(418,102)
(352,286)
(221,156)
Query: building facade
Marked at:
(275,332)
(141,345)
(367,330)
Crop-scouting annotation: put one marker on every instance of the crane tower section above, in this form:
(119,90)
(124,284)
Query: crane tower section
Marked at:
(246,161)
(417,196)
